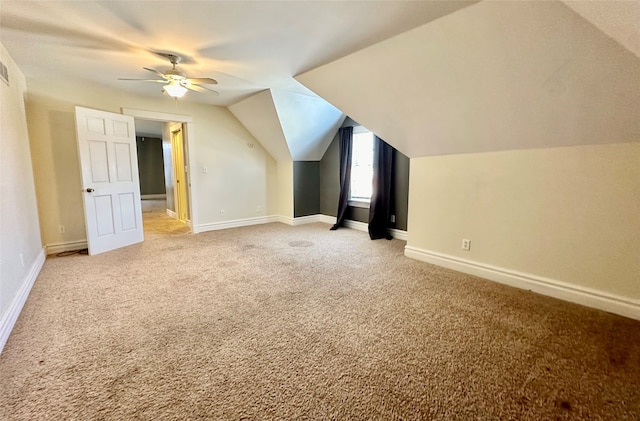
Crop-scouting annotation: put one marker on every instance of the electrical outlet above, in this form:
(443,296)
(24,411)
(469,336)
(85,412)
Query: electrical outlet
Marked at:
(466,244)
(221,211)
(61,229)
(205,169)
(393,219)
(259,209)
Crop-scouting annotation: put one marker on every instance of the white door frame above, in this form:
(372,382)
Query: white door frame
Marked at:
(187,124)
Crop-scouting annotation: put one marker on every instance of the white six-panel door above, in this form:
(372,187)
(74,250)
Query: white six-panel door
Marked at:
(110,186)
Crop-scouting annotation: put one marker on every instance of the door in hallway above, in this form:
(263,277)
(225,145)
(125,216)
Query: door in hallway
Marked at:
(180,173)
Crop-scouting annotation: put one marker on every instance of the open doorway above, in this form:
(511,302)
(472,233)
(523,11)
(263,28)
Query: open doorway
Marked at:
(169,210)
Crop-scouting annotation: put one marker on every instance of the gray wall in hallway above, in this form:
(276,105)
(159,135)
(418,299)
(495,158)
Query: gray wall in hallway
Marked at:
(150,165)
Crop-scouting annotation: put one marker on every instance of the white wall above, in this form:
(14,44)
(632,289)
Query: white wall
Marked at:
(21,253)
(569,216)
(239,179)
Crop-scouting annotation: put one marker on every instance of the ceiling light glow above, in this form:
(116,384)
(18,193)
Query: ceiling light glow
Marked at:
(175,90)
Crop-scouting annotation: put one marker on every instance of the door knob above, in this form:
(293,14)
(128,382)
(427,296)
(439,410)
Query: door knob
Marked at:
(89,190)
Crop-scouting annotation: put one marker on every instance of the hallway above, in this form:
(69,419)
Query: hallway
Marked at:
(157,222)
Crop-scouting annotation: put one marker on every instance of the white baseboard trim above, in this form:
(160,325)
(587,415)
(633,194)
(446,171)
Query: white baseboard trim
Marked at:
(309,219)
(600,300)
(171,214)
(284,219)
(10,318)
(214,226)
(153,196)
(56,248)
(327,219)
(398,234)
(361,226)
(356,225)
(301,220)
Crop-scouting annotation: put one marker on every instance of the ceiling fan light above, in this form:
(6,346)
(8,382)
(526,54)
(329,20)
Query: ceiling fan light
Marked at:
(175,90)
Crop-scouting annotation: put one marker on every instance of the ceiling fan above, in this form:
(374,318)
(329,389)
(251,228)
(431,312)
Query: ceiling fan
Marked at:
(176,81)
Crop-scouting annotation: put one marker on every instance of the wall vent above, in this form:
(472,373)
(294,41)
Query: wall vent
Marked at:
(4,73)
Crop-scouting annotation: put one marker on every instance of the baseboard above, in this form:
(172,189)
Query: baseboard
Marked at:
(310,219)
(361,226)
(171,214)
(327,219)
(398,234)
(284,219)
(56,248)
(600,300)
(9,320)
(214,226)
(153,196)
(356,225)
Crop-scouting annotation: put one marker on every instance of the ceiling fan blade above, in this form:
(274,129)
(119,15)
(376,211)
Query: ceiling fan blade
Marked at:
(156,72)
(145,80)
(202,81)
(198,88)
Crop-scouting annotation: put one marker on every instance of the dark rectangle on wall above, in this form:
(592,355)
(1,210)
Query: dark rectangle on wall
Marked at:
(306,188)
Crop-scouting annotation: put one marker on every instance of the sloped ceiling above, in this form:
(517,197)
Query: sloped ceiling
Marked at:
(248,46)
(492,76)
(309,123)
(258,114)
(618,19)
(291,126)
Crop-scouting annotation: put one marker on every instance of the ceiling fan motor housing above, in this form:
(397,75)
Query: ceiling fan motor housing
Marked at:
(175,74)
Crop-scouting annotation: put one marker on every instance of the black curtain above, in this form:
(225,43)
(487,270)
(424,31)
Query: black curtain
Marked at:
(345,134)
(379,209)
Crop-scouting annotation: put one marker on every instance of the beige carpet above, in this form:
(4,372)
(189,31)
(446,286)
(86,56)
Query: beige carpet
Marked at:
(280,322)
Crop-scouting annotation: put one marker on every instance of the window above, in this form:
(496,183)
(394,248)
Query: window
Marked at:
(361,167)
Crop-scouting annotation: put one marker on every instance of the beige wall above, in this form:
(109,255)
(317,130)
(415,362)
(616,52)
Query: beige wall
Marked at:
(240,177)
(285,189)
(571,214)
(19,231)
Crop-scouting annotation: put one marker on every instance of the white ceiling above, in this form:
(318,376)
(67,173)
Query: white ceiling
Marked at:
(149,127)
(618,19)
(493,76)
(246,46)
(289,125)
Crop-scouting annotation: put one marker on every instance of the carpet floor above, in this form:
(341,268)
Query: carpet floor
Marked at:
(279,322)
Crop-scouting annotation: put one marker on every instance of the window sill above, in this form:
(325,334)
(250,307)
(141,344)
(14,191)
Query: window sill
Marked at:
(358,204)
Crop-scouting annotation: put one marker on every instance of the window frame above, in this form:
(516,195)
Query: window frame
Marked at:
(359,202)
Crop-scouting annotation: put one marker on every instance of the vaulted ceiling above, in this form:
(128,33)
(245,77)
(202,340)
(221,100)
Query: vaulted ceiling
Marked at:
(248,46)
(493,76)
(431,77)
